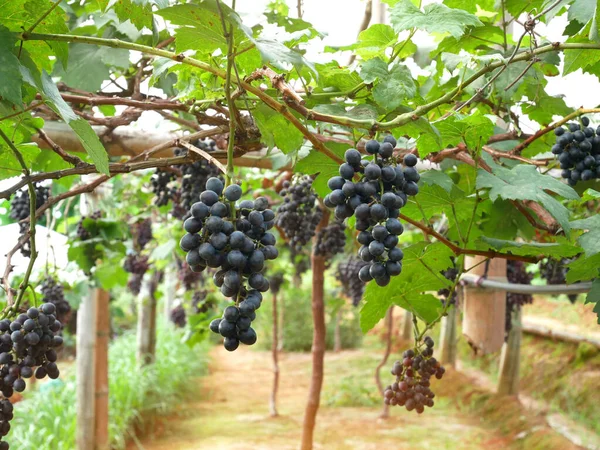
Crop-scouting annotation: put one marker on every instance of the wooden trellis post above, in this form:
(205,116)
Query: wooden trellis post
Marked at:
(407,326)
(146,324)
(102,299)
(448,338)
(510,359)
(86,373)
(484,309)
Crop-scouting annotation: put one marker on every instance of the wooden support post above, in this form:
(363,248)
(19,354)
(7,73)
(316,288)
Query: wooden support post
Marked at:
(449,334)
(86,373)
(510,359)
(274,351)
(318,345)
(281,334)
(484,310)
(407,326)
(146,324)
(102,299)
(389,321)
(337,332)
(170,285)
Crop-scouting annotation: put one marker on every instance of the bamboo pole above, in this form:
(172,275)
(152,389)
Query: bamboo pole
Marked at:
(102,299)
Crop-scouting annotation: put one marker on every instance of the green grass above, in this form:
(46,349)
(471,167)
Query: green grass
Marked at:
(47,416)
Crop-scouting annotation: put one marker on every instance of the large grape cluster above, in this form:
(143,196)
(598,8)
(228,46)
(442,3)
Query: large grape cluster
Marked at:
(19,210)
(516,273)
(195,175)
(412,386)
(27,348)
(331,240)
(555,272)
(162,186)
(375,200)
(347,274)
(578,151)
(234,239)
(53,292)
(300,213)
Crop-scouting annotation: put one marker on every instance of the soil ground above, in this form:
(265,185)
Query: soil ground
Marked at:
(230,412)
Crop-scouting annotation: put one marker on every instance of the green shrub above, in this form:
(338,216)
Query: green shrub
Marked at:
(47,417)
(297,322)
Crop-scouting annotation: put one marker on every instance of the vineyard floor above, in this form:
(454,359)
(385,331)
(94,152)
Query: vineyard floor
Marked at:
(231,412)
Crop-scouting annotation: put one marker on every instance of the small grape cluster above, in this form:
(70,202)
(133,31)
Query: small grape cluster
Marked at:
(277,280)
(142,232)
(195,175)
(53,292)
(347,274)
(234,239)
(555,272)
(82,233)
(578,151)
(516,273)
(375,200)
(450,274)
(161,184)
(412,386)
(178,316)
(137,265)
(26,342)
(19,210)
(300,213)
(331,240)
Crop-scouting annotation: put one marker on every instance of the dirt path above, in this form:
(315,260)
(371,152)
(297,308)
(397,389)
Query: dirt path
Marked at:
(231,413)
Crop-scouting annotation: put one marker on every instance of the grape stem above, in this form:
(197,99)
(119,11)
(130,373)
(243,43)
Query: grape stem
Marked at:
(228,34)
(13,307)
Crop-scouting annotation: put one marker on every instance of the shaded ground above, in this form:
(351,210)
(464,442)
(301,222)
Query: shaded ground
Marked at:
(231,412)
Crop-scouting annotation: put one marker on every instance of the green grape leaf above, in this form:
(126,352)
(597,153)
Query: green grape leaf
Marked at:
(276,130)
(518,7)
(110,274)
(473,39)
(374,40)
(435,18)
(421,269)
(10,86)
(81,127)
(275,53)
(590,240)
(555,250)
(472,6)
(139,12)
(524,182)
(331,75)
(325,167)
(427,136)
(474,130)
(393,85)
(583,269)
(437,178)
(434,200)
(594,297)
(580,58)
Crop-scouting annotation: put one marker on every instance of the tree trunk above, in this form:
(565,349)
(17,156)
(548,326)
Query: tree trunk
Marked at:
(407,326)
(146,325)
(448,338)
(318,345)
(337,333)
(508,382)
(86,373)
(274,350)
(389,321)
(101,369)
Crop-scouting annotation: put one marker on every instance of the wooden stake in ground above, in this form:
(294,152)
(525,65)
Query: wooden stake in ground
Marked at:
(389,322)
(102,299)
(274,350)
(86,373)
(510,359)
(146,325)
(318,345)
